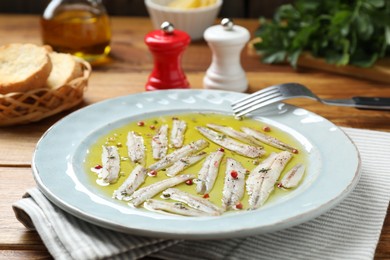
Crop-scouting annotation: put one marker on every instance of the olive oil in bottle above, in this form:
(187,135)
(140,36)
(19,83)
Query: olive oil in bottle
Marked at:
(78,27)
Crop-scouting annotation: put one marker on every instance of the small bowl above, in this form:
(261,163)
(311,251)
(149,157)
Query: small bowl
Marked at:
(193,21)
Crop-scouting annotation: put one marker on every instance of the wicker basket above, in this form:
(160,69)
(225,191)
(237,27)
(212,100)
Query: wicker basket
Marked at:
(34,105)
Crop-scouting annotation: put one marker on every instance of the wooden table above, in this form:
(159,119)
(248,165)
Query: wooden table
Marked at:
(127,72)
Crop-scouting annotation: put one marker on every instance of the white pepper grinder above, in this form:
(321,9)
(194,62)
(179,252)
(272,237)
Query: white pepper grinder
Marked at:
(226,42)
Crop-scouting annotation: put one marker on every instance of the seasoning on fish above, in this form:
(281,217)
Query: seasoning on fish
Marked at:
(184,163)
(261,181)
(234,187)
(136,147)
(231,144)
(177,133)
(241,136)
(172,207)
(292,178)
(131,184)
(208,173)
(176,155)
(160,142)
(267,139)
(110,165)
(193,201)
(257,175)
(150,191)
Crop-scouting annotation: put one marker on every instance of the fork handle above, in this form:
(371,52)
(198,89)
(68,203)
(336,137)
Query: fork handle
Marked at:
(372,103)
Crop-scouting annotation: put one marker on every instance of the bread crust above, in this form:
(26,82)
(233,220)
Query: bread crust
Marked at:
(36,78)
(65,69)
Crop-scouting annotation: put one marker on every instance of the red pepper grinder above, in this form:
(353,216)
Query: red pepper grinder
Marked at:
(167,46)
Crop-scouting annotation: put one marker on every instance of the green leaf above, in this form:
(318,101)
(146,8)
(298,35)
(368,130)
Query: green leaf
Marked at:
(341,17)
(308,6)
(346,54)
(344,59)
(387,35)
(293,58)
(275,57)
(340,22)
(377,3)
(364,27)
(303,36)
(340,31)
(353,42)
(286,12)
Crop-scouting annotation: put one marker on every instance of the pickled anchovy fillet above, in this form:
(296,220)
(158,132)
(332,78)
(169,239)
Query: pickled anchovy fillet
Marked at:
(160,142)
(262,183)
(172,207)
(209,172)
(241,136)
(234,186)
(184,163)
(136,148)
(148,192)
(177,133)
(176,155)
(231,144)
(257,174)
(110,164)
(292,178)
(267,139)
(129,186)
(193,201)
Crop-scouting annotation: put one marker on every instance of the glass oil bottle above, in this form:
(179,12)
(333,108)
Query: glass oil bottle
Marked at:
(78,27)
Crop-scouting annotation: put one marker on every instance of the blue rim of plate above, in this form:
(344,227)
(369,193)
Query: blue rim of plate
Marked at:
(334,167)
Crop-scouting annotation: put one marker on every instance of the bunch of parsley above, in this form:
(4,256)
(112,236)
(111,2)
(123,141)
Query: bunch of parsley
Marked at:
(355,32)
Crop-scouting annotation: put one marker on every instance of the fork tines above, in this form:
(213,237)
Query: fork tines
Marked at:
(256,100)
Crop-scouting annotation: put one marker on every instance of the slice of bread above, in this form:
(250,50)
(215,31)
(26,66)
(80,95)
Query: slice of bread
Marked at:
(65,68)
(23,67)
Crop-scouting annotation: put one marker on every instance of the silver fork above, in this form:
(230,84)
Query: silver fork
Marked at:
(281,92)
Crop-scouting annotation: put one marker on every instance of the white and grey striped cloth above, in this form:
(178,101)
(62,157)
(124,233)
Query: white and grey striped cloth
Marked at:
(349,231)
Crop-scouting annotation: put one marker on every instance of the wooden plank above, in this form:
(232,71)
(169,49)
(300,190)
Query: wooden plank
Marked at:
(383,249)
(379,72)
(25,254)
(13,235)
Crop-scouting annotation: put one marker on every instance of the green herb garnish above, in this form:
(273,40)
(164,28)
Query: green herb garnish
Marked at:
(264,170)
(355,32)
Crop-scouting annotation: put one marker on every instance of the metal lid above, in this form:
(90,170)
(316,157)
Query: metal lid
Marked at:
(167,27)
(227,24)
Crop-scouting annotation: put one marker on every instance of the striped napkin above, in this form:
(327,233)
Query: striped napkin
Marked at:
(349,231)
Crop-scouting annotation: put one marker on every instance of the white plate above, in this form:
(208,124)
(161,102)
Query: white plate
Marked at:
(333,171)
